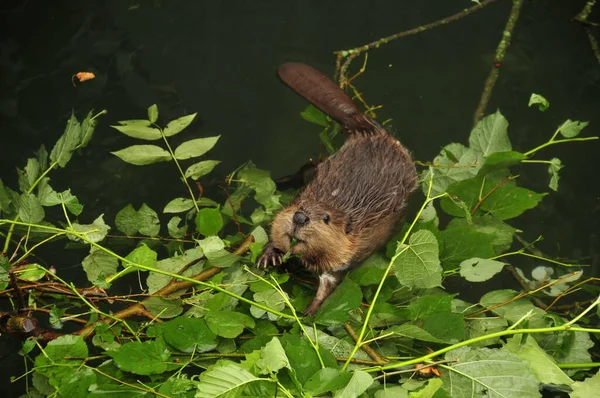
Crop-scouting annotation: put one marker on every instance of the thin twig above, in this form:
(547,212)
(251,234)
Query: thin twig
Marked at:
(500,53)
(365,347)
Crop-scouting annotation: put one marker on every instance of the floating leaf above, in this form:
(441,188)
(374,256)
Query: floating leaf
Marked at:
(490,135)
(153,113)
(540,101)
(139,132)
(196,147)
(418,264)
(147,358)
(571,128)
(209,221)
(141,155)
(177,125)
(480,269)
(200,169)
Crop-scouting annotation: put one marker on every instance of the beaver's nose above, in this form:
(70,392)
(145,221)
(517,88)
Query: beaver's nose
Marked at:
(300,218)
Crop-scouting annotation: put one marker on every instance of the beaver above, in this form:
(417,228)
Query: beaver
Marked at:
(355,199)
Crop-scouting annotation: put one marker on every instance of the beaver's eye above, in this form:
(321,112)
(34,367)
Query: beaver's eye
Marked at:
(326,219)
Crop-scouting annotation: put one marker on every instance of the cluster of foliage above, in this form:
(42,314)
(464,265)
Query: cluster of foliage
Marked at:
(210,324)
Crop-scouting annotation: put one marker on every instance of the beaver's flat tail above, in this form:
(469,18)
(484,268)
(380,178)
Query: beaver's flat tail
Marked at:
(323,93)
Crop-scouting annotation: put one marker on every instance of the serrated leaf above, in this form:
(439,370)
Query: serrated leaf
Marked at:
(272,358)
(540,101)
(147,358)
(223,380)
(509,201)
(95,232)
(175,231)
(200,169)
(175,264)
(479,269)
(571,128)
(335,310)
(139,132)
(153,113)
(490,135)
(189,334)
(30,209)
(454,163)
(32,170)
(126,220)
(418,264)
(196,147)
(148,221)
(501,160)
(163,308)
(500,232)
(586,388)
(542,364)
(327,380)
(553,169)
(61,359)
(358,384)
(88,125)
(31,273)
(414,332)
(98,265)
(142,255)
(177,125)
(67,143)
(178,205)
(493,373)
(141,155)
(228,324)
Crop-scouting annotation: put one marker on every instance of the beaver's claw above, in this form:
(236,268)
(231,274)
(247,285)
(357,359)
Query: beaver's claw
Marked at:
(271,256)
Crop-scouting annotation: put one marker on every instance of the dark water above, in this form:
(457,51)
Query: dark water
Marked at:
(219,59)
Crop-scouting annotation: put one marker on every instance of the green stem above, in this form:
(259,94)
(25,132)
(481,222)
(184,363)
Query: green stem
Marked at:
(578,365)
(363,330)
(183,177)
(553,142)
(211,286)
(29,251)
(523,253)
(561,328)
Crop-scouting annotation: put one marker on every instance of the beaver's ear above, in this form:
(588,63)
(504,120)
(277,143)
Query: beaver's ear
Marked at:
(348,228)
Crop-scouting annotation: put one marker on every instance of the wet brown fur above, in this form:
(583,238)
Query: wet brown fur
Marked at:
(363,190)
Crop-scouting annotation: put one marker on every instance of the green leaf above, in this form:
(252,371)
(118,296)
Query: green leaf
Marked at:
(50,197)
(486,372)
(335,310)
(61,360)
(139,132)
(196,147)
(135,122)
(454,163)
(313,115)
(67,143)
(302,356)
(501,302)
(5,200)
(143,154)
(417,264)
(490,135)
(200,169)
(147,358)
(142,255)
(209,221)
(272,358)
(87,130)
(30,209)
(98,265)
(478,327)
(148,221)
(571,128)
(95,231)
(370,271)
(32,170)
(177,125)
(500,232)
(553,169)
(327,380)
(126,220)
(31,273)
(542,364)
(228,324)
(479,269)
(358,384)
(153,113)
(586,388)
(178,205)
(224,379)
(510,201)
(189,334)
(175,231)
(175,264)
(414,332)
(162,307)
(501,160)
(540,101)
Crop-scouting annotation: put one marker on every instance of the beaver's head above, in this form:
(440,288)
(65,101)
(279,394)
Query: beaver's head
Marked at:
(322,236)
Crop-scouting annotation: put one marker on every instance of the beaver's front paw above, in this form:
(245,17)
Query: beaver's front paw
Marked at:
(271,256)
